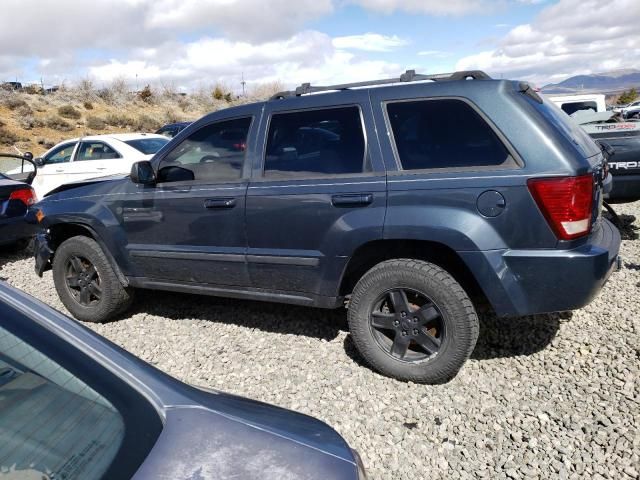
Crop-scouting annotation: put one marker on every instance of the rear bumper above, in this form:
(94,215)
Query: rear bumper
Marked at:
(527,282)
(14,229)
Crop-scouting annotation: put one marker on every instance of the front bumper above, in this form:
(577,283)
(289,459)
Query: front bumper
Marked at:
(42,253)
(528,282)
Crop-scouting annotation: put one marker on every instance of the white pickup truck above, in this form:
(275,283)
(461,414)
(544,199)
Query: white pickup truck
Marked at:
(609,127)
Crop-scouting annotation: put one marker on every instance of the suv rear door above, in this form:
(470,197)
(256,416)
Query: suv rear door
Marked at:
(317,192)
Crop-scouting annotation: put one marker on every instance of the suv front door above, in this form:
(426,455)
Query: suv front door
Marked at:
(189,227)
(317,192)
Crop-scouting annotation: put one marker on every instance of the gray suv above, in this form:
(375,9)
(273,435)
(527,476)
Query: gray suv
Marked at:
(409,200)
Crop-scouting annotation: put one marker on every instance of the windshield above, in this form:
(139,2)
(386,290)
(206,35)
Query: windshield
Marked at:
(52,425)
(148,146)
(63,415)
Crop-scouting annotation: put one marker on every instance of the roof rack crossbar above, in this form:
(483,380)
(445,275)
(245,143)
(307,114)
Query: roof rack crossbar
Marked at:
(408,76)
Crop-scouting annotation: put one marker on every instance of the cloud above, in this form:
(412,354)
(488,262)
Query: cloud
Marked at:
(434,53)
(565,39)
(308,56)
(370,42)
(430,7)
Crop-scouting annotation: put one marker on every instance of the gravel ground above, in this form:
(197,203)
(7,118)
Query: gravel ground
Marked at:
(551,396)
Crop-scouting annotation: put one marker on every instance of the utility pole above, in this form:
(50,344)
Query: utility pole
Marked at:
(243,83)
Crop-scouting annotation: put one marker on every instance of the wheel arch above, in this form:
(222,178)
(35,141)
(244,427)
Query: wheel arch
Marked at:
(60,232)
(370,254)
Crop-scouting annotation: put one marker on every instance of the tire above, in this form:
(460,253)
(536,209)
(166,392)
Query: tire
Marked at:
(429,339)
(106,297)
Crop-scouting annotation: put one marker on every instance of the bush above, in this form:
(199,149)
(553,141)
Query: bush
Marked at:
(57,123)
(146,95)
(96,123)
(24,111)
(145,123)
(7,137)
(13,103)
(29,121)
(118,120)
(67,111)
(88,106)
(46,143)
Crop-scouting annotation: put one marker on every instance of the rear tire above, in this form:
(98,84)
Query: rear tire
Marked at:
(86,283)
(412,321)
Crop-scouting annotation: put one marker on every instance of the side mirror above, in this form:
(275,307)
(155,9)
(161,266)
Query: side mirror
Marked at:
(142,173)
(39,161)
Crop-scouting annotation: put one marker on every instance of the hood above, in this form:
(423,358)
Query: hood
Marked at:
(83,183)
(199,443)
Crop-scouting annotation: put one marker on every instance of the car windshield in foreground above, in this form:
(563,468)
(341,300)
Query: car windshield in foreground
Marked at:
(62,414)
(148,146)
(52,425)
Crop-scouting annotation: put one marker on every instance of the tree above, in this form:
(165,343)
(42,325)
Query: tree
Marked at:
(627,97)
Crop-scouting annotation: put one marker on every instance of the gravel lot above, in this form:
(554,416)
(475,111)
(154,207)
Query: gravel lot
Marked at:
(551,396)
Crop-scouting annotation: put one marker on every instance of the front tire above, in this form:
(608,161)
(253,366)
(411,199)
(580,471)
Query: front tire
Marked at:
(86,283)
(412,321)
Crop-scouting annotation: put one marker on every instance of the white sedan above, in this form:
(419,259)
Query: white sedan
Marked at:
(93,156)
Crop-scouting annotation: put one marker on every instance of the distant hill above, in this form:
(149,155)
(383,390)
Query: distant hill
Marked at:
(609,82)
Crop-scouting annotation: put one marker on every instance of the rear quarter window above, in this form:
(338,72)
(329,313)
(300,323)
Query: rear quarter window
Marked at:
(444,134)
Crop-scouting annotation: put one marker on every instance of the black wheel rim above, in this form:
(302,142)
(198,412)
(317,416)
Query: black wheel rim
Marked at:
(407,325)
(83,281)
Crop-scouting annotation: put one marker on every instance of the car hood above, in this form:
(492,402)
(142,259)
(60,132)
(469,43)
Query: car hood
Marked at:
(200,443)
(84,183)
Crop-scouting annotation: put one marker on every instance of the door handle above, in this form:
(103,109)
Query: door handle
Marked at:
(59,171)
(101,168)
(352,200)
(220,203)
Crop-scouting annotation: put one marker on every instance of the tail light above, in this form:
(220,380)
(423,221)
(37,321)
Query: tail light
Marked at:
(566,203)
(25,195)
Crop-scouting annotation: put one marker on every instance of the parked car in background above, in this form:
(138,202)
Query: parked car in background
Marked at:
(624,161)
(573,103)
(16,196)
(406,201)
(93,156)
(627,109)
(172,129)
(75,406)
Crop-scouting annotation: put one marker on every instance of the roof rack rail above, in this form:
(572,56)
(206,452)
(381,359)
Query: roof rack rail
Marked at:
(408,76)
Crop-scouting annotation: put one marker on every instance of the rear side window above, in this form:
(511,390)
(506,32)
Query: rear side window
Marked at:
(445,133)
(315,142)
(96,151)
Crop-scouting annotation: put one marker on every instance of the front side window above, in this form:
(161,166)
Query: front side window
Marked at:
(315,142)
(61,154)
(446,133)
(96,151)
(52,424)
(214,153)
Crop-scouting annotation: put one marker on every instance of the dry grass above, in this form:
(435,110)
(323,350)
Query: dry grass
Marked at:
(32,122)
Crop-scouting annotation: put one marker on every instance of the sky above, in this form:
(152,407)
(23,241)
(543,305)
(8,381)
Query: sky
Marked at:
(189,44)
